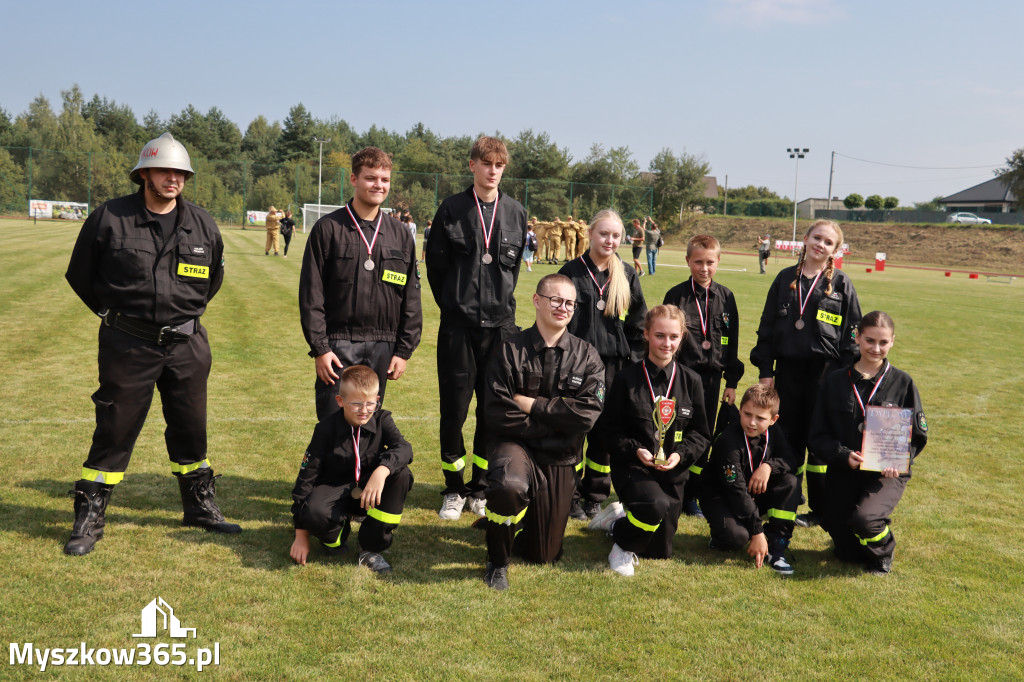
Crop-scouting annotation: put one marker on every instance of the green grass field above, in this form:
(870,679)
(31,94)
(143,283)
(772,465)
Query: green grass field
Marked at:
(952,609)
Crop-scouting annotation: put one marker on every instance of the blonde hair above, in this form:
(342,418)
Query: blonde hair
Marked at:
(618,286)
(830,268)
(358,379)
(668,311)
(762,397)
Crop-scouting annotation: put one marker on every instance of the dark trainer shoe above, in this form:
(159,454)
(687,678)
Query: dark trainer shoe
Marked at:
(496,577)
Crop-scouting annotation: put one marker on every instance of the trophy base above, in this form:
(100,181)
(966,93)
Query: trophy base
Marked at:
(660,460)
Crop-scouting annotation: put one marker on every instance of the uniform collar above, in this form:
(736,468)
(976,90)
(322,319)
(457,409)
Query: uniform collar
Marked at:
(657,373)
(369,427)
(142,213)
(537,341)
(699,289)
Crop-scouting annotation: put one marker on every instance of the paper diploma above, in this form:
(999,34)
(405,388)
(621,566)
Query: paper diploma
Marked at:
(887,432)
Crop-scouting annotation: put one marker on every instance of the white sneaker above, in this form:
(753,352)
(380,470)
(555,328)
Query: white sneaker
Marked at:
(621,561)
(451,508)
(477,505)
(607,517)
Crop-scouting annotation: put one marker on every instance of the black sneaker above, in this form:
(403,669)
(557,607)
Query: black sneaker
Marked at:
(496,577)
(808,520)
(881,567)
(777,557)
(591,509)
(576,510)
(375,562)
(691,508)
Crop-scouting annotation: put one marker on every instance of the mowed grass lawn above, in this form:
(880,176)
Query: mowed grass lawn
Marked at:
(952,608)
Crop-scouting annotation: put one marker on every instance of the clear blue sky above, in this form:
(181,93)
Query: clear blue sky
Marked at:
(933,83)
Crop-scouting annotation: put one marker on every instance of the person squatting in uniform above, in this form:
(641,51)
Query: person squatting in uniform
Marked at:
(859,503)
(148,265)
(287,228)
(273,231)
(544,392)
(750,475)
(657,391)
(356,464)
(806,331)
(473,260)
(610,310)
(359,287)
(712,338)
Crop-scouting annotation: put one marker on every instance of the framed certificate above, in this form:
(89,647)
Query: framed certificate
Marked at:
(887,432)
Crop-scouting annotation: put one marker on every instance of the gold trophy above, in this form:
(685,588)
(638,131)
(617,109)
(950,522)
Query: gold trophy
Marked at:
(664,415)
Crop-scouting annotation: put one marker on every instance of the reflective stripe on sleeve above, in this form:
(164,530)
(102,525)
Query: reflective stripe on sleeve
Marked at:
(105,477)
(599,468)
(817,468)
(694,469)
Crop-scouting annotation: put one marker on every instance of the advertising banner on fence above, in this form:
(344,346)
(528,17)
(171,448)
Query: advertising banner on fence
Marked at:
(63,210)
(255,217)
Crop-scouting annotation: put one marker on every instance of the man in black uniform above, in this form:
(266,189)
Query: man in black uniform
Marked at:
(359,289)
(148,264)
(545,390)
(473,258)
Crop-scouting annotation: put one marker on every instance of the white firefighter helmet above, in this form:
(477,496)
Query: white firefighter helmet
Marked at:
(163,152)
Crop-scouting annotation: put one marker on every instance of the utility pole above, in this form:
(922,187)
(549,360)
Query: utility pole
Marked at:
(320,177)
(796,153)
(831,171)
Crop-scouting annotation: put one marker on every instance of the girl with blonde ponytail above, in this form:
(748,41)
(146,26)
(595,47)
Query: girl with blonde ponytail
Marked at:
(806,331)
(610,310)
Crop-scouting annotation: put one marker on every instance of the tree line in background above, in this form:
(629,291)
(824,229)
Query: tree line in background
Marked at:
(84,151)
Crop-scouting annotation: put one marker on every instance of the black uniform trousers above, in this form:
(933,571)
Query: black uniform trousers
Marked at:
(798,383)
(527,503)
(857,512)
(462,355)
(374,354)
(329,507)
(595,476)
(711,382)
(287,241)
(779,502)
(128,370)
(653,502)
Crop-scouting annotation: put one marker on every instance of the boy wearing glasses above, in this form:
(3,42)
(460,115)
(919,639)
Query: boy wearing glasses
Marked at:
(545,390)
(356,464)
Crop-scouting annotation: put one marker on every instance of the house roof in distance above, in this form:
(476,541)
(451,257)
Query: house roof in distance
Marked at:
(990,191)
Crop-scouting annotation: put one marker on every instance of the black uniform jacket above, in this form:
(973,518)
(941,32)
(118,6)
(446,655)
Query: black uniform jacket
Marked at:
(121,263)
(723,323)
(829,322)
(630,415)
(562,415)
(613,337)
(468,292)
(330,458)
(340,299)
(834,430)
(729,469)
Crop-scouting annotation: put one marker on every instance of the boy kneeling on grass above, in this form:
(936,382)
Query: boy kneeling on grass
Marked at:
(357,464)
(750,474)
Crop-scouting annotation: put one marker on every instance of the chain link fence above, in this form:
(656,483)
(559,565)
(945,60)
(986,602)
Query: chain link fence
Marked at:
(228,189)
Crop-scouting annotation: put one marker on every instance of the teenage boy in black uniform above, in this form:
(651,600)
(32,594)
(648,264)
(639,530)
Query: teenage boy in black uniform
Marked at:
(148,264)
(545,390)
(710,345)
(473,258)
(750,474)
(359,289)
(357,463)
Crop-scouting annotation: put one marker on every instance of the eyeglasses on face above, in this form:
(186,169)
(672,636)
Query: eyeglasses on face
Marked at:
(364,407)
(558,302)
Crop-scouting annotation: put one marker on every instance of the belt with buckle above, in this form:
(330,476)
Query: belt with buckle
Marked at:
(162,335)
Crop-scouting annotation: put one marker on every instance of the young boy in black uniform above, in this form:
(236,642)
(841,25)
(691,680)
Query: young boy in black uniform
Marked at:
(473,258)
(712,338)
(359,289)
(750,474)
(545,391)
(357,463)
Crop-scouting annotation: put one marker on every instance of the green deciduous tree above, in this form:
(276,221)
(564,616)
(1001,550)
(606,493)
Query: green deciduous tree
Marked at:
(260,141)
(874,202)
(116,124)
(12,185)
(678,182)
(748,193)
(1013,175)
(853,201)
(890,203)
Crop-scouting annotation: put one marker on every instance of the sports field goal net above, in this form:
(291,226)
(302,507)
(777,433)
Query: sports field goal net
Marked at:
(313,212)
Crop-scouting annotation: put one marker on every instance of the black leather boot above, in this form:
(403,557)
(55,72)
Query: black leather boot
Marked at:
(90,509)
(197,500)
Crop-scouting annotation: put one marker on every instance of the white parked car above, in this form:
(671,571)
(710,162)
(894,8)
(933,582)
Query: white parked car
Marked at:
(967,219)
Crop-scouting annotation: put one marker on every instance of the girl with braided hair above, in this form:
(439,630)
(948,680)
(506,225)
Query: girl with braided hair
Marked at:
(806,331)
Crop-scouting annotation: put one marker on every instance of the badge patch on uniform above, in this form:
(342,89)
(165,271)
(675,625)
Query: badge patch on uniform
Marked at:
(685,412)
(729,473)
(198,250)
(725,318)
(511,252)
(305,459)
(600,392)
(575,380)
(679,436)
(922,423)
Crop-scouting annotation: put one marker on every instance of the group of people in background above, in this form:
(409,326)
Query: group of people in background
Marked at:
(599,393)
